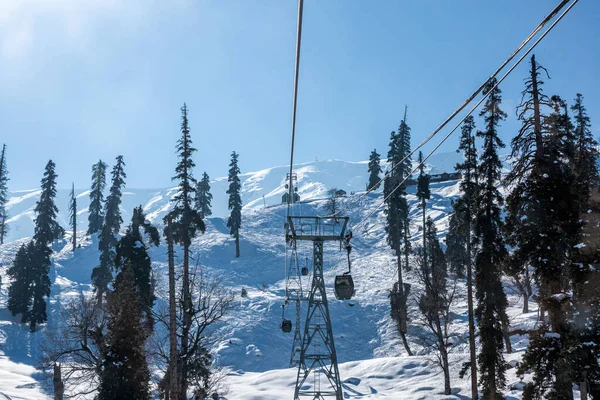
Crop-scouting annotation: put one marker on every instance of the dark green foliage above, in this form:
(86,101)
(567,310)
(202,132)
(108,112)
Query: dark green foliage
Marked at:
(456,238)
(40,284)
(374,170)
(423,192)
(125,373)
(235,202)
(96,217)
(186,221)
(73,216)
(132,251)
(19,292)
(491,299)
(47,228)
(3,195)
(102,274)
(203,197)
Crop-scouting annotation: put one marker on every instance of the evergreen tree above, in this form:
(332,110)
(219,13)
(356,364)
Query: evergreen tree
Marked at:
(186,223)
(46,231)
(374,170)
(458,240)
(404,172)
(95,217)
(125,373)
(435,301)
(19,292)
(73,215)
(3,195)
(204,197)
(133,251)
(491,299)
(102,274)
(423,194)
(235,202)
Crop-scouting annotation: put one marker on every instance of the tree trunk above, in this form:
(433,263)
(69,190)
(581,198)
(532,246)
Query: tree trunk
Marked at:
(403,317)
(472,348)
(444,356)
(506,335)
(583,390)
(237,244)
(187,323)
(59,387)
(173,356)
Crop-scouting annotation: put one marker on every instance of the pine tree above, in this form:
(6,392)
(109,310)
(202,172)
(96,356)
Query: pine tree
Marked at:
(374,170)
(133,251)
(186,223)
(73,215)
(95,217)
(458,240)
(491,299)
(405,169)
(102,274)
(204,197)
(423,194)
(435,301)
(46,231)
(3,195)
(125,373)
(235,202)
(20,272)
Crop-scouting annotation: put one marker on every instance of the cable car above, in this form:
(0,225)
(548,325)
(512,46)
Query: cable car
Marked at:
(286,325)
(244,292)
(304,271)
(344,287)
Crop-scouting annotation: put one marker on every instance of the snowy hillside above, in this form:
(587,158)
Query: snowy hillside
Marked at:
(251,344)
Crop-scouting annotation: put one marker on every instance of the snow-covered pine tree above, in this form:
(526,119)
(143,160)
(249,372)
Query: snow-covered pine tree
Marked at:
(186,223)
(491,299)
(374,170)
(96,217)
(235,201)
(458,240)
(73,215)
(46,231)
(133,250)
(423,194)
(102,274)
(204,197)
(434,303)
(404,172)
(3,195)
(19,292)
(125,373)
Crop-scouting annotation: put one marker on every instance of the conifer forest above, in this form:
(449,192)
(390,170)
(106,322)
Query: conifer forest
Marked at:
(427,269)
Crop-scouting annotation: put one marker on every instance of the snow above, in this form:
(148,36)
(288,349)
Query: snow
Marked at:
(373,362)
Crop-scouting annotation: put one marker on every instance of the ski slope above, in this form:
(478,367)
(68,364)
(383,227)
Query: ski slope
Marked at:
(256,353)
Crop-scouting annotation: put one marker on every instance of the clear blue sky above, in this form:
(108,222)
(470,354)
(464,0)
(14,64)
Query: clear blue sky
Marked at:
(87,79)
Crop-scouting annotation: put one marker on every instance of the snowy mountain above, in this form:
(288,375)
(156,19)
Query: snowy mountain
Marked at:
(251,345)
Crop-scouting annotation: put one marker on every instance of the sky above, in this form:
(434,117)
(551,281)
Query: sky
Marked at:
(82,80)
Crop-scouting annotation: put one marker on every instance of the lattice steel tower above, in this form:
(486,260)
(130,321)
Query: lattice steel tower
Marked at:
(318,360)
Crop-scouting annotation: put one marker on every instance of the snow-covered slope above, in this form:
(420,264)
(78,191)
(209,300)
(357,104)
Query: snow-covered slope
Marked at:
(252,345)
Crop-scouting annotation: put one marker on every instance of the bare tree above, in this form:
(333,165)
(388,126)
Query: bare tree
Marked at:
(210,303)
(333,202)
(77,344)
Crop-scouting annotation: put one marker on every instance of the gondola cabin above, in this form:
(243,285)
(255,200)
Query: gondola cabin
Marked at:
(286,325)
(344,287)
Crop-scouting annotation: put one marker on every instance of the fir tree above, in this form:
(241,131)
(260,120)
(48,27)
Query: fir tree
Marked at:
(133,251)
(374,170)
(204,197)
(404,172)
(186,223)
(423,194)
(3,195)
(46,231)
(95,217)
(458,240)
(125,373)
(73,215)
(235,202)
(20,272)
(491,299)
(102,274)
